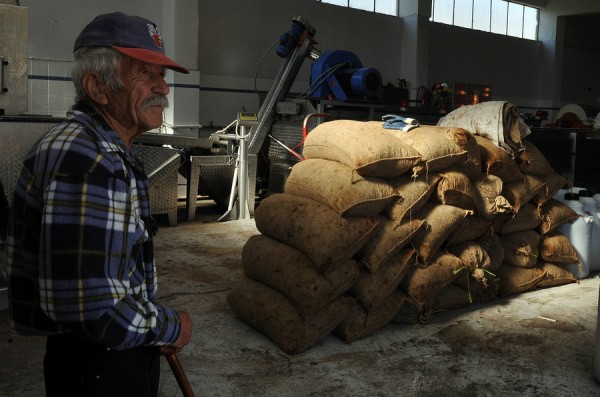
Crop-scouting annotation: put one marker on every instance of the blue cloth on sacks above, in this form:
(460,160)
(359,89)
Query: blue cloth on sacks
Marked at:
(395,122)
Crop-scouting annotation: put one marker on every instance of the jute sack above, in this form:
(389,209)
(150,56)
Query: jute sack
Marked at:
(271,313)
(441,220)
(451,297)
(489,197)
(553,183)
(472,255)
(334,184)
(532,161)
(362,322)
(497,162)
(422,284)
(492,244)
(456,189)
(555,247)
(479,289)
(387,240)
(437,151)
(414,193)
(514,280)
(412,313)
(529,217)
(372,288)
(463,139)
(555,275)
(519,193)
(315,229)
(476,277)
(470,228)
(290,272)
(366,147)
(554,214)
(521,249)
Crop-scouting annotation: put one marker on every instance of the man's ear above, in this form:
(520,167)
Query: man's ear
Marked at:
(95,89)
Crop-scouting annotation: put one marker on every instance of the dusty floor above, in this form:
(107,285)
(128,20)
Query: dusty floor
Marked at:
(507,348)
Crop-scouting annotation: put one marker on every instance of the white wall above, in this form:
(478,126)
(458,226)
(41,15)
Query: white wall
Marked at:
(54,26)
(223,41)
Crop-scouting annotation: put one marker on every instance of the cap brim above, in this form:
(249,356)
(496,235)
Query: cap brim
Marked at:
(152,57)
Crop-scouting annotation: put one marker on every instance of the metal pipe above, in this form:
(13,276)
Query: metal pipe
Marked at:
(279,90)
(243,175)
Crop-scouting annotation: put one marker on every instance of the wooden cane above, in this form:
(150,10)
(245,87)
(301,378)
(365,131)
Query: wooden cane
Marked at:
(178,371)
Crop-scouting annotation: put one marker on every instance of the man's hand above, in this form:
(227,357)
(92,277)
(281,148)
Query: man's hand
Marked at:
(185,334)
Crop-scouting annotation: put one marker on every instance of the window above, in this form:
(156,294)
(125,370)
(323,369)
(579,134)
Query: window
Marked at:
(388,7)
(496,16)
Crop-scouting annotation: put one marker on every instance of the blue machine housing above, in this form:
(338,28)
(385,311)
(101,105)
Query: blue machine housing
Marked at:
(341,75)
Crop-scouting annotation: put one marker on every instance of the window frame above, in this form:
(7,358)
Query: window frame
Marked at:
(376,10)
(494,25)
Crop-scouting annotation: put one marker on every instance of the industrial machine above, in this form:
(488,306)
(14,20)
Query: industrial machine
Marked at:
(335,74)
(340,75)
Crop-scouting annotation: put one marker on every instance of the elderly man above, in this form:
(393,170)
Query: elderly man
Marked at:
(81,258)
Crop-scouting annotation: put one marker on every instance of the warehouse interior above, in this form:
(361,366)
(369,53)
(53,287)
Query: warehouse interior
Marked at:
(245,195)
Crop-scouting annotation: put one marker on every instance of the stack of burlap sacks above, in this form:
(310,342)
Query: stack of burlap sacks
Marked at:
(380,226)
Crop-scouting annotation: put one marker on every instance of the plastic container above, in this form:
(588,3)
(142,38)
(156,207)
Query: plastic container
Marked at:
(595,249)
(590,207)
(580,234)
(560,195)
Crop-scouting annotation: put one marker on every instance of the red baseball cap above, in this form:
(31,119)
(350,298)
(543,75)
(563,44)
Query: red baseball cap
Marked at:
(134,36)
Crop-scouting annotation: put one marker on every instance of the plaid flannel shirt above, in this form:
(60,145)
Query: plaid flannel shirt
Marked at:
(80,250)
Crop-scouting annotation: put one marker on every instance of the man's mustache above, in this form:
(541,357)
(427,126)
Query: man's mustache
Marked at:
(156,100)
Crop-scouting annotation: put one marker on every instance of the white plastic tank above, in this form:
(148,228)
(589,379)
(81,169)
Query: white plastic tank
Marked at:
(590,207)
(580,234)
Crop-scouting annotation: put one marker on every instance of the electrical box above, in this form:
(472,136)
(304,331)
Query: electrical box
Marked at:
(14,48)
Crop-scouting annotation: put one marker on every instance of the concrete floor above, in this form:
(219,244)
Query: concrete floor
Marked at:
(511,347)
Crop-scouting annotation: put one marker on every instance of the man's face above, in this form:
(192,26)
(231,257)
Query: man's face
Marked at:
(138,106)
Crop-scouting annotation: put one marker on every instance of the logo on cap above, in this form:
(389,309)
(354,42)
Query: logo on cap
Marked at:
(155,34)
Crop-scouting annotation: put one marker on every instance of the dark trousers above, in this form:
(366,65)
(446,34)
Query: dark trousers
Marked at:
(74,366)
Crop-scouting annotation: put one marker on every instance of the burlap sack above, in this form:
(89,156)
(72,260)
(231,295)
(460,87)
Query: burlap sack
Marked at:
(456,189)
(521,249)
(555,275)
(413,313)
(555,247)
(372,288)
(479,289)
(489,197)
(334,184)
(514,280)
(472,164)
(470,228)
(554,214)
(414,192)
(441,220)
(553,183)
(451,297)
(362,322)
(271,313)
(472,255)
(366,147)
(437,151)
(315,229)
(476,277)
(519,193)
(497,162)
(423,283)
(289,271)
(532,161)
(529,217)
(389,238)
(492,244)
